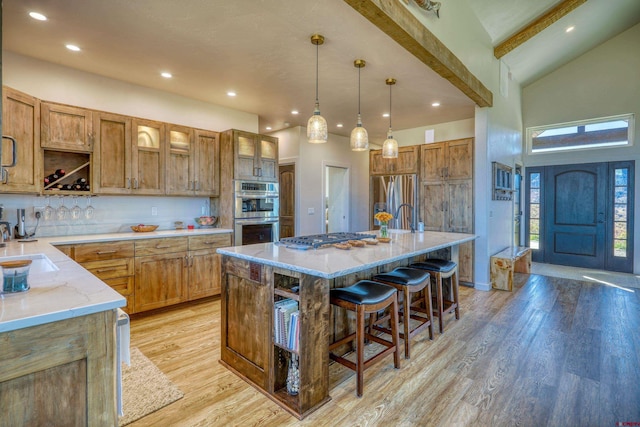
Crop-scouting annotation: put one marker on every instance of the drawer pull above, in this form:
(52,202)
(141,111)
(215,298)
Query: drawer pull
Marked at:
(207,242)
(163,246)
(106,252)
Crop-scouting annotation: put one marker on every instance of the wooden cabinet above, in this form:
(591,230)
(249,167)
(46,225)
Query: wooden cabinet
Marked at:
(64,127)
(111,262)
(61,373)
(161,269)
(112,155)
(147,157)
(204,264)
(406,163)
(254,156)
(21,120)
(446,193)
(192,161)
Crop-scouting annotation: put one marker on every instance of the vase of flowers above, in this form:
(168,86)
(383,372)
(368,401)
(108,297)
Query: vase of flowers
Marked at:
(384,218)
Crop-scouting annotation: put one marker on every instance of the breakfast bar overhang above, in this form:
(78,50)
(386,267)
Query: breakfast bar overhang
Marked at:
(256,277)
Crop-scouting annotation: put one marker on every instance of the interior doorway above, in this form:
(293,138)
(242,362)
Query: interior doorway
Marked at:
(287,179)
(336,199)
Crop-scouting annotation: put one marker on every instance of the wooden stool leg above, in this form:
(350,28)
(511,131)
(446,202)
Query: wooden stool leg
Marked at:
(454,285)
(395,338)
(429,308)
(438,278)
(406,320)
(360,350)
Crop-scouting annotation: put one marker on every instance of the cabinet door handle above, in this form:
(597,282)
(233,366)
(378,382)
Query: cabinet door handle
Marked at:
(208,242)
(191,261)
(106,252)
(128,182)
(163,246)
(135,183)
(198,185)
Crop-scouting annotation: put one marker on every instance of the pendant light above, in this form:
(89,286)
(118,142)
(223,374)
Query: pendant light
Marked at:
(390,145)
(317,125)
(359,135)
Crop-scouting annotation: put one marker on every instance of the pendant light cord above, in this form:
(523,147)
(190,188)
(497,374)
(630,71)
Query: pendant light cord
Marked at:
(317,73)
(390,106)
(359,91)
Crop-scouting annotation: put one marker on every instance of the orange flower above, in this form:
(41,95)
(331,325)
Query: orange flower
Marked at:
(383,217)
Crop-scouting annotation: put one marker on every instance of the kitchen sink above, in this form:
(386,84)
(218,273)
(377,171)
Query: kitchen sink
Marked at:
(40,263)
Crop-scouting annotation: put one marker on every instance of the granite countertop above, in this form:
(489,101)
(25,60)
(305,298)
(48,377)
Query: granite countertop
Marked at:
(330,262)
(62,289)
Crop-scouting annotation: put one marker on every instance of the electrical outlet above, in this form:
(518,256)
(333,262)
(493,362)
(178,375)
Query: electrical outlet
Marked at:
(311,211)
(37,209)
(154,211)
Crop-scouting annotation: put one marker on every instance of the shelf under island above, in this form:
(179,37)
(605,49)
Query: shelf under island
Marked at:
(256,277)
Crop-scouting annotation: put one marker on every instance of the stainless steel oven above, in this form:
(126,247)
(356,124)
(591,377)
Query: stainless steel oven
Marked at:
(256,199)
(256,230)
(256,210)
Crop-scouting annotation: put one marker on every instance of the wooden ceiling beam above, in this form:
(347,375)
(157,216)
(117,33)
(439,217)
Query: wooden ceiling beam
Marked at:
(402,26)
(536,26)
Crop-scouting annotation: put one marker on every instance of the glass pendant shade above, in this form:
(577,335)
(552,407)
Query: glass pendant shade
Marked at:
(317,128)
(390,147)
(359,137)
(317,125)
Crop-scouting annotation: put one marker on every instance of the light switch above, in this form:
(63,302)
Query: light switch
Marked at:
(311,211)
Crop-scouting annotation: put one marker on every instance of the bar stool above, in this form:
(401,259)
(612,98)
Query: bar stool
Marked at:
(365,297)
(443,269)
(408,281)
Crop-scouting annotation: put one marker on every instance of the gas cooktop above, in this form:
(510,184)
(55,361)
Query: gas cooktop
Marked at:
(317,240)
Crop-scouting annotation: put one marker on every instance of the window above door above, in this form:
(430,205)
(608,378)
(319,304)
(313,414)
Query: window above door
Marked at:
(581,135)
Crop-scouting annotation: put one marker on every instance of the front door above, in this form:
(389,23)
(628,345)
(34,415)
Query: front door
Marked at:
(575,215)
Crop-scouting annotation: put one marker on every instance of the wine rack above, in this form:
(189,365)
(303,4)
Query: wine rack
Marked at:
(76,166)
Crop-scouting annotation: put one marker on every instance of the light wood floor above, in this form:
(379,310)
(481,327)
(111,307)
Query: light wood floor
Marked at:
(554,352)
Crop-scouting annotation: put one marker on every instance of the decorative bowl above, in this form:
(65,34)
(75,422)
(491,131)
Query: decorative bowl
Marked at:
(206,221)
(142,228)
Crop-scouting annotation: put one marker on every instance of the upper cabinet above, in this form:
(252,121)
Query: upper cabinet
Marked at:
(64,127)
(148,156)
(406,163)
(192,161)
(255,157)
(21,120)
(447,160)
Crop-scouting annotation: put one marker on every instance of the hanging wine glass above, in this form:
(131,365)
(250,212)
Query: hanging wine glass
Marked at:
(62,211)
(76,211)
(48,210)
(89,210)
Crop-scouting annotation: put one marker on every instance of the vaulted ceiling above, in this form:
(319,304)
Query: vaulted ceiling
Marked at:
(262,51)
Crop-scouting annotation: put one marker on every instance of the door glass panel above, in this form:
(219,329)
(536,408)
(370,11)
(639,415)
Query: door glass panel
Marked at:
(148,137)
(179,141)
(268,150)
(534,210)
(246,147)
(620,209)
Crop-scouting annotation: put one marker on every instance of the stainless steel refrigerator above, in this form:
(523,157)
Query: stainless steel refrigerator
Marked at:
(398,195)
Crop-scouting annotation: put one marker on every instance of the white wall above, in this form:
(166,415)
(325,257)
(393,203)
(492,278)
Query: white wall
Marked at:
(310,161)
(442,132)
(52,82)
(602,82)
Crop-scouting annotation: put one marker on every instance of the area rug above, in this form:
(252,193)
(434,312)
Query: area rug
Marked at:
(145,389)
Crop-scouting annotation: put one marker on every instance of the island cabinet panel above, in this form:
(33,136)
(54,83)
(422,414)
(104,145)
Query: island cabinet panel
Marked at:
(160,280)
(62,372)
(246,319)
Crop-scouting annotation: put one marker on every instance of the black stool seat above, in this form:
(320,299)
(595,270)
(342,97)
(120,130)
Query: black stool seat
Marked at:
(364,292)
(403,276)
(435,264)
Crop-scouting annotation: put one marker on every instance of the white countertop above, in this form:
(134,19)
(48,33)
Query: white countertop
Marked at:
(330,262)
(71,291)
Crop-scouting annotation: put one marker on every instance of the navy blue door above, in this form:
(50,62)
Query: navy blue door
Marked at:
(575,219)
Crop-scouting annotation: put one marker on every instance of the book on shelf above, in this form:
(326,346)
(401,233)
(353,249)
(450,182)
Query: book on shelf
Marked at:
(285,323)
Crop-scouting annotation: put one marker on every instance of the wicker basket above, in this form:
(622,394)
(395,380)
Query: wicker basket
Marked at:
(143,228)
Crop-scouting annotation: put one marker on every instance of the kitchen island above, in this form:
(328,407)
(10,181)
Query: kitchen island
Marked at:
(256,277)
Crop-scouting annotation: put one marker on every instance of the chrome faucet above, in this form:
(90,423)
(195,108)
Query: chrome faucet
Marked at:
(413,230)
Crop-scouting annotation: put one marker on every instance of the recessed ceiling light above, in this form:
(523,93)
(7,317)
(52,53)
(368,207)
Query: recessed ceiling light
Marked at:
(294,112)
(268,128)
(339,125)
(385,115)
(569,29)
(435,104)
(73,47)
(38,16)
(231,93)
(166,75)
